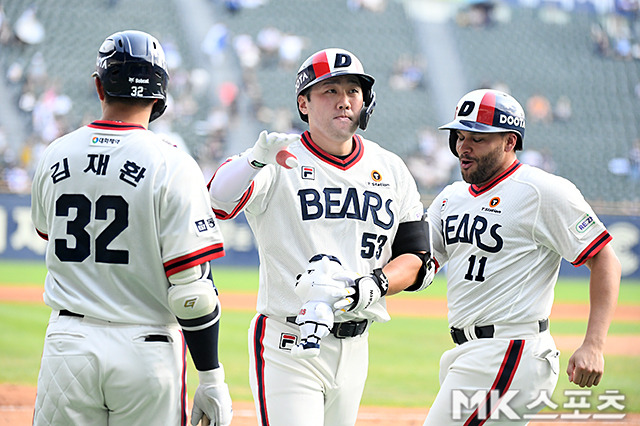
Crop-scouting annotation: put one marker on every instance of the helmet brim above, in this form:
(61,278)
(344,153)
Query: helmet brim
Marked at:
(473,126)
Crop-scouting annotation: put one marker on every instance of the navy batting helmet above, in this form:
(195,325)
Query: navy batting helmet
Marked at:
(487,111)
(333,62)
(131,64)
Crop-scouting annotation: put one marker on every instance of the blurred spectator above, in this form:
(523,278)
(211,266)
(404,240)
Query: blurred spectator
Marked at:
(247,51)
(407,74)
(268,41)
(562,110)
(478,14)
(539,109)
(28,28)
(432,163)
(215,43)
(290,50)
(6,33)
(372,5)
(540,159)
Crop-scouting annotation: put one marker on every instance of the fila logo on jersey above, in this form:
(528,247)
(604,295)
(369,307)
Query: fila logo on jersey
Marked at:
(308,172)
(287,340)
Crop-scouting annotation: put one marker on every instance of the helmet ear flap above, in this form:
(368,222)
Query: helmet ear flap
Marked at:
(453,138)
(367,110)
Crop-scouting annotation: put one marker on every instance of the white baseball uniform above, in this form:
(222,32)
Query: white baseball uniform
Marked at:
(122,210)
(346,207)
(503,244)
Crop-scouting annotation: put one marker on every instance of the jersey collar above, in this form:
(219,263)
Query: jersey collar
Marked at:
(341,163)
(477,190)
(114,125)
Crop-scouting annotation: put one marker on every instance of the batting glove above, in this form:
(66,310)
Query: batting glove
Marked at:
(271,148)
(364,290)
(212,399)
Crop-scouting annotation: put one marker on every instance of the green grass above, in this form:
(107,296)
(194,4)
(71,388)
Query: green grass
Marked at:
(404,353)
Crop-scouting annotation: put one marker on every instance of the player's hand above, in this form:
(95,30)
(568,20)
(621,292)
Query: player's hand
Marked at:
(212,400)
(586,366)
(364,290)
(271,148)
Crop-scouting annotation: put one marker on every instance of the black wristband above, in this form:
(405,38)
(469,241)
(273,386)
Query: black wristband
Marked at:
(381,280)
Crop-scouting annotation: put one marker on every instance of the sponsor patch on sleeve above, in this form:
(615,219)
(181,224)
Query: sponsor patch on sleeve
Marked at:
(582,225)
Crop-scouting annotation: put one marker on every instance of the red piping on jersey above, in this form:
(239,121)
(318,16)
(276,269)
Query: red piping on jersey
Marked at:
(593,248)
(115,125)
(475,190)
(42,235)
(183,384)
(193,259)
(342,164)
(258,353)
(502,382)
(223,215)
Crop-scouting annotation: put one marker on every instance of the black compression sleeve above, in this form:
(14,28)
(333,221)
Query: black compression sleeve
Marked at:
(203,347)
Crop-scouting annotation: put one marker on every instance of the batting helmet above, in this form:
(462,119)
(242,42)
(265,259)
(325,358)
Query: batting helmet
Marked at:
(487,111)
(333,62)
(131,64)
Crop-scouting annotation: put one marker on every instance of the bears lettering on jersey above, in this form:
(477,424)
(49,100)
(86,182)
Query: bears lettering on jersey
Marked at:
(459,230)
(332,204)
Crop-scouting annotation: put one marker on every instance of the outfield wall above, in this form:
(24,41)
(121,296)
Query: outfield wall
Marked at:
(18,239)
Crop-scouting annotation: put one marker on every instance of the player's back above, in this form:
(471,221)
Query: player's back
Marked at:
(99,193)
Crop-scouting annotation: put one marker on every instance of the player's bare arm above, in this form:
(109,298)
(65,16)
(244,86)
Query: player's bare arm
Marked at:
(402,272)
(586,365)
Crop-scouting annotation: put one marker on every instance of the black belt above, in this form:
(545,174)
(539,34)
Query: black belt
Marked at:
(487,331)
(66,313)
(343,329)
(149,338)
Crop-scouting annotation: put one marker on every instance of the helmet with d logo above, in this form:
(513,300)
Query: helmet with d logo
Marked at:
(333,62)
(487,111)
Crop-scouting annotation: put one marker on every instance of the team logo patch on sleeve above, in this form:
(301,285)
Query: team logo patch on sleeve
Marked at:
(201,225)
(582,225)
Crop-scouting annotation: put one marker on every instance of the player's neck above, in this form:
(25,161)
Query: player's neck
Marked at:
(126,115)
(333,147)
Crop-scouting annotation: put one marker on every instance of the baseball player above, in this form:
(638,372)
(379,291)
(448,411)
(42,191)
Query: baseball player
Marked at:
(130,234)
(502,233)
(328,191)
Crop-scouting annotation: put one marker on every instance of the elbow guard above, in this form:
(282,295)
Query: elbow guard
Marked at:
(195,303)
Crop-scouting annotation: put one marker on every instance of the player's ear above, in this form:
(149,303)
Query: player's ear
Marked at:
(511,139)
(99,88)
(302,104)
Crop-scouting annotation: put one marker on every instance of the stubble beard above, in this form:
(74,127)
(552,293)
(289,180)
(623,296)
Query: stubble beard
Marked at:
(486,168)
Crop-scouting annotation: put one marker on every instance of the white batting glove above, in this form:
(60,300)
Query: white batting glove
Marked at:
(365,290)
(271,148)
(212,399)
